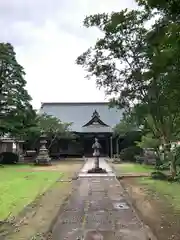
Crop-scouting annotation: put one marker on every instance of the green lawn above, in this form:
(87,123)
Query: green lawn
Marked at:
(170,190)
(20,185)
(132,168)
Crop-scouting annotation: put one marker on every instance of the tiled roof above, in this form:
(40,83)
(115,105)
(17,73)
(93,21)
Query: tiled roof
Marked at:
(81,112)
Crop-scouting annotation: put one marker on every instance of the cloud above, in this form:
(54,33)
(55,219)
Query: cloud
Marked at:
(29,10)
(48,36)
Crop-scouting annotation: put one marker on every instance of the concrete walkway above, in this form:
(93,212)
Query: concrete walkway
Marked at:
(98,210)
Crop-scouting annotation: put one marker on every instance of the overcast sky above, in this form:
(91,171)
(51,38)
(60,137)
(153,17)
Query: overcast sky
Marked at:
(48,36)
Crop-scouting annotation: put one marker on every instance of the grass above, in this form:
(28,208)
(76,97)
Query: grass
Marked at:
(132,168)
(20,185)
(169,190)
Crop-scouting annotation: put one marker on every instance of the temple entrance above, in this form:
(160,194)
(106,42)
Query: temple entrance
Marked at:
(88,142)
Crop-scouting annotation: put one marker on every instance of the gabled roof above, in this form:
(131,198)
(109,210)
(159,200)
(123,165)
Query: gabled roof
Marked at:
(95,119)
(80,114)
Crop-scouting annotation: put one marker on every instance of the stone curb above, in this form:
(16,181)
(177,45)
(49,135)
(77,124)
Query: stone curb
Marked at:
(149,232)
(64,202)
(133,176)
(48,232)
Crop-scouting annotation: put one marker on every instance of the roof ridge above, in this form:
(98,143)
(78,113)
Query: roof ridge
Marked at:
(73,103)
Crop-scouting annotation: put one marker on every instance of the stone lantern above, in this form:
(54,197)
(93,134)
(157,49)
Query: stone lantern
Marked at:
(43,156)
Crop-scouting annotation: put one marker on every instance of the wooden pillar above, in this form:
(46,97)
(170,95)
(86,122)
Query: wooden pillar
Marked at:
(111,147)
(117,146)
(107,146)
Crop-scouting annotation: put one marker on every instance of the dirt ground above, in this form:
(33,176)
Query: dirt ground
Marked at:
(154,210)
(35,221)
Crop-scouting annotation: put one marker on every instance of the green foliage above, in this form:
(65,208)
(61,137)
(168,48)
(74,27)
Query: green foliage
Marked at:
(15,104)
(118,56)
(49,125)
(167,8)
(129,154)
(149,141)
(8,158)
(140,65)
(163,166)
(124,127)
(176,153)
(159,175)
(130,139)
(53,127)
(26,125)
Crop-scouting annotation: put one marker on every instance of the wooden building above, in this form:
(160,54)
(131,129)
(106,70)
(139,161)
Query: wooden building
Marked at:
(89,120)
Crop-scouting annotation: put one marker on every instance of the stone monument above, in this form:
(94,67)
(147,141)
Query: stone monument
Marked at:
(43,156)
(96,169)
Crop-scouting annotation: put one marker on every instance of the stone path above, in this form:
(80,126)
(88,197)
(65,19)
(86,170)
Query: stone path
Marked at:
(98,210)
(90,164)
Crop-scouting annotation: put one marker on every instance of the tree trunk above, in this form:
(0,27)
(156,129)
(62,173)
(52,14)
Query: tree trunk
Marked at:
(52,142)
(172,160)
(173,168)
(158,157)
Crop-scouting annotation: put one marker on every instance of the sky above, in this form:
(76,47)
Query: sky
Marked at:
(48,36)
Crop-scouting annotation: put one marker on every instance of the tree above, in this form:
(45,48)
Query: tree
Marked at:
(167,8)
(117,60)
(125,126)
(165,39)
(14,99)
(137,64)
(54,128)
(149,141)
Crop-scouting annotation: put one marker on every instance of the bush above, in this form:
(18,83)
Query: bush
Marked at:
(130,153)
(159,176)
(8,158)
(164,166)
(139,159)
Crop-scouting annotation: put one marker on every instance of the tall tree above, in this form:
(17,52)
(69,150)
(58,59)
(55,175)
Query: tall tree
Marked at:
(165,39)
(136,63)
(14,98)
(117,60)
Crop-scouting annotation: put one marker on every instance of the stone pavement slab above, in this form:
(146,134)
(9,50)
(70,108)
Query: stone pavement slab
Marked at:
(98,210)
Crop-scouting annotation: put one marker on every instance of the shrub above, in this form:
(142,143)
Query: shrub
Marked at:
(163,166)
(159,176)
(139,159)
(130,153)
(8,158)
